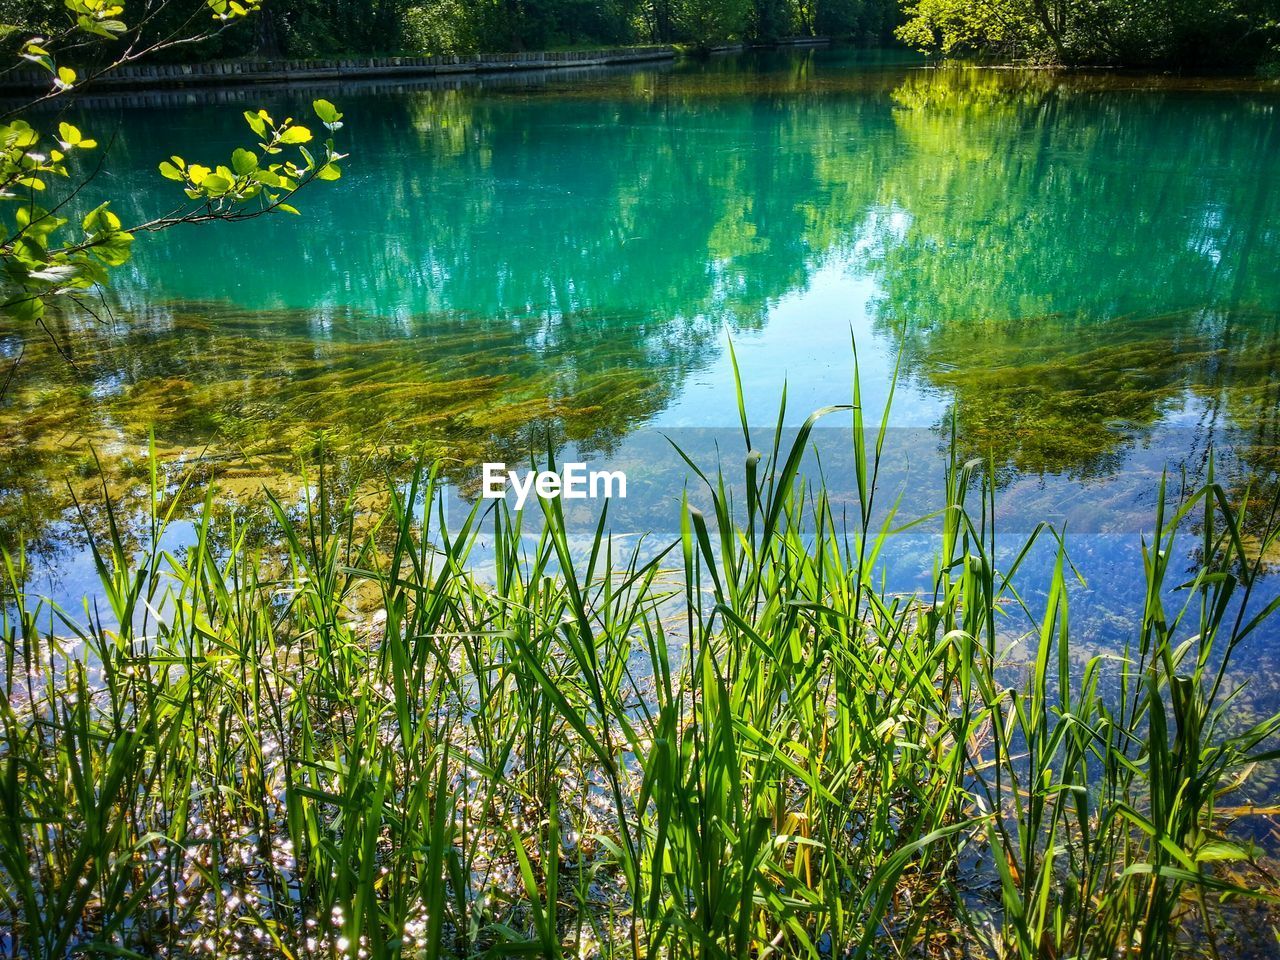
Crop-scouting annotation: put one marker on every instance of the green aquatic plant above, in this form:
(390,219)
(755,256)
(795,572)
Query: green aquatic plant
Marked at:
(242,396)
(395,736)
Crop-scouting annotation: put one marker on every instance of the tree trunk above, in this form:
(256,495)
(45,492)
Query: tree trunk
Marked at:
(1053,27)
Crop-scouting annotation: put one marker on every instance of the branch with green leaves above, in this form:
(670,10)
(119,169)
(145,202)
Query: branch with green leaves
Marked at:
(44,257)
(248,187)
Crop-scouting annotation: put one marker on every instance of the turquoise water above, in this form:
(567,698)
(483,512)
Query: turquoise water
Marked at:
(1079,273)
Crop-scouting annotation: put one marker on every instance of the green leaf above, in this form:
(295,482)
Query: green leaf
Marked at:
(100,28)
(170,172)
(38,56)
(215,183)
(27,309)
(326,111)
(329,171)
(91,272)
(1218,850)
(115,249)
(35,224)
(256,122)
(244,161)
(100,218)
(295,135)
(289,208)
(18,134)
(69,135)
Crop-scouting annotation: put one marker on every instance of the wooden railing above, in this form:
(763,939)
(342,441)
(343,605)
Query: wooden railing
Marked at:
(275,71)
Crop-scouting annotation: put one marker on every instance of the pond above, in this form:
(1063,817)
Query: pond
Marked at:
(1079,275)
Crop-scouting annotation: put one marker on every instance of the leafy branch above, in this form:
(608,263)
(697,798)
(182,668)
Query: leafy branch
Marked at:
(45,256)
(228,192)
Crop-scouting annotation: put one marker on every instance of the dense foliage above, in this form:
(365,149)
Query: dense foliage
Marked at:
(302,28)
(1126,32)
(306,27)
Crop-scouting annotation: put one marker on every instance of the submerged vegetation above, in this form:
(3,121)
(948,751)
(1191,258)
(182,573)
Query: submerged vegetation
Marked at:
(737,744)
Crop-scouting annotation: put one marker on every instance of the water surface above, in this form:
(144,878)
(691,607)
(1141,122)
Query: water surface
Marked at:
(1080,273)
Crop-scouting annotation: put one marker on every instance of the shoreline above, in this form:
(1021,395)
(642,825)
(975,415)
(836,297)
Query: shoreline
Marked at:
(251,72)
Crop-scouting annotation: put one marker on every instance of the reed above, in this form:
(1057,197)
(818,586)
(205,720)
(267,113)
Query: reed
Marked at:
(735,745)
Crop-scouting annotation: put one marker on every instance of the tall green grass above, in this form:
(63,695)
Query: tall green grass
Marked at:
(737,745)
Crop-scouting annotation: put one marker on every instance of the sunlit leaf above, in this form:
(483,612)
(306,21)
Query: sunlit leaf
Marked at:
(293,135)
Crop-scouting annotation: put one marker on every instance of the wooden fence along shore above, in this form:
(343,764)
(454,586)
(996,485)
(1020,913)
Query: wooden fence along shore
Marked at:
(275,71)
(233,72)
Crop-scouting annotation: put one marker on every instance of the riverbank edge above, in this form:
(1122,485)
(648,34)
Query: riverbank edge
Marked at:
(245,72)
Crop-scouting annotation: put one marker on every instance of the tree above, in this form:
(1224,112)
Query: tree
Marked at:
(1127,32)
(713,21)
(46,257)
